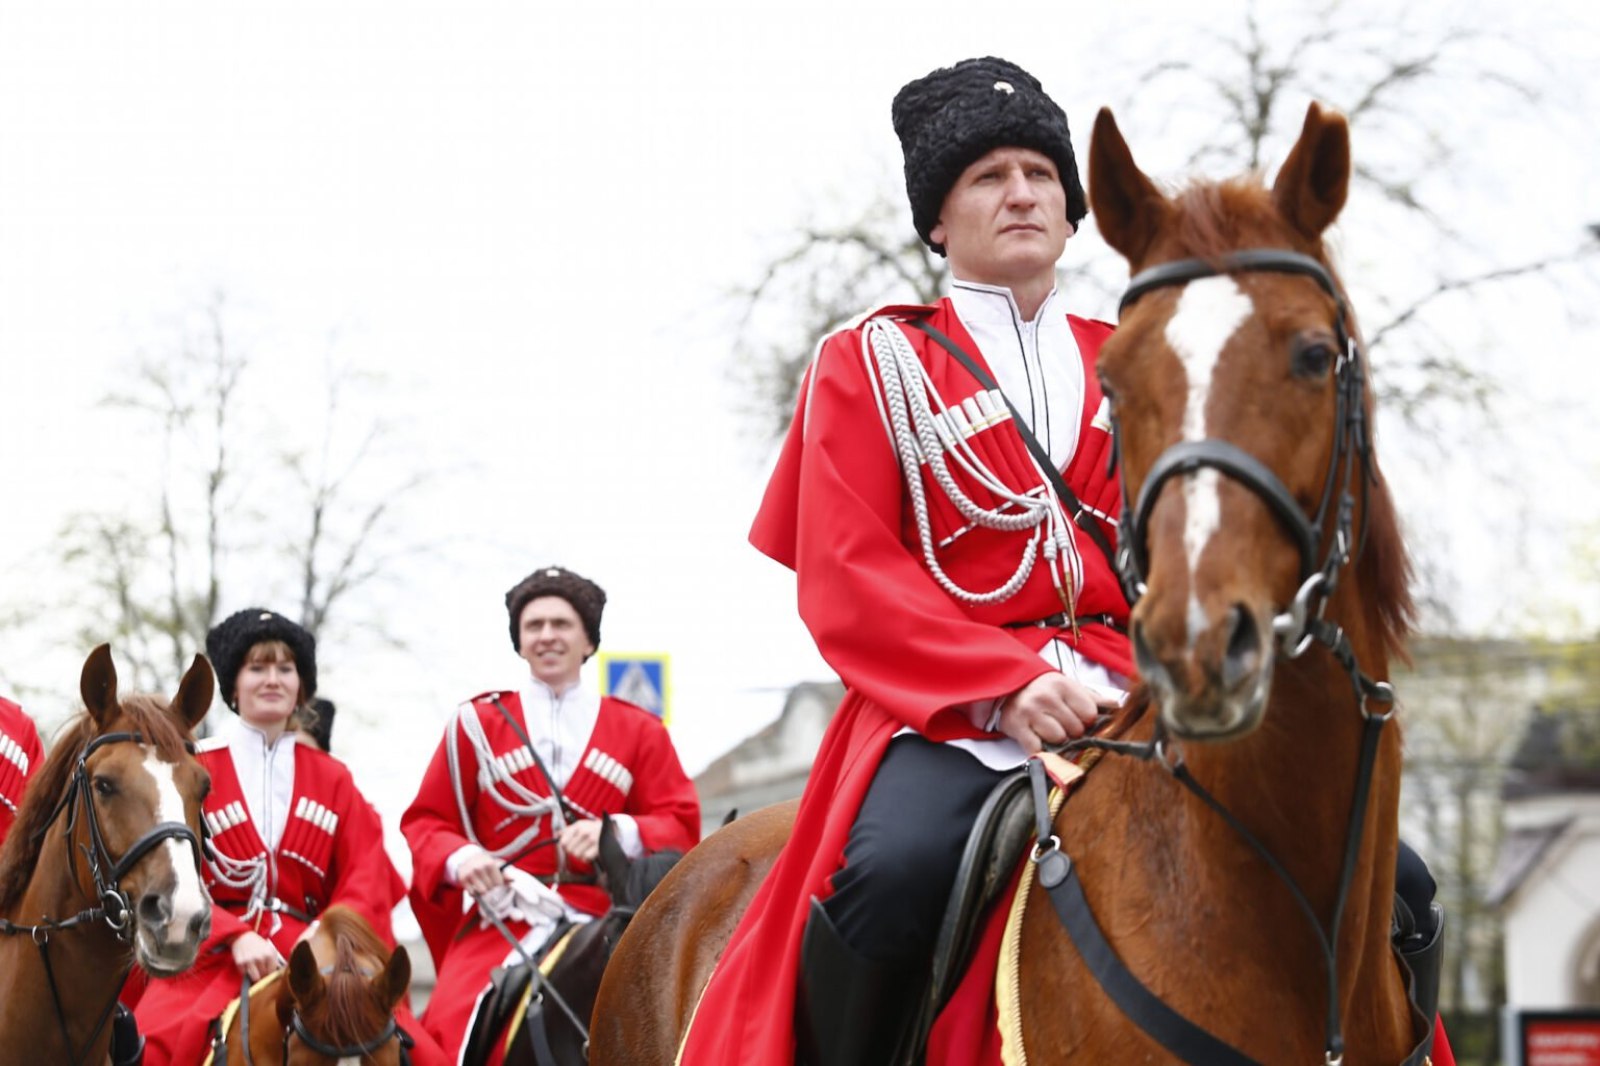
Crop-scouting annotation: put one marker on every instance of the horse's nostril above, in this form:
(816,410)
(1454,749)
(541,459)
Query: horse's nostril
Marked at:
(1242,660)
(154,910)
(200,924)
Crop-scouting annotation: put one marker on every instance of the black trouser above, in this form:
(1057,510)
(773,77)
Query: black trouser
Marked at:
(905,847)
(906,844)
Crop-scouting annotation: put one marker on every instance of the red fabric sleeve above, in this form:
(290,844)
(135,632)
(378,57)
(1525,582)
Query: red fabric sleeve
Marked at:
(432,824)
(834,511)
(433,831)
(362,875)
(662,802)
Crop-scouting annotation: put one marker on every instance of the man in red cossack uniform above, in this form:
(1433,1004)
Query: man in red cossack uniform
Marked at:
(20,755)
(970,607)
(509,809)
(291,836)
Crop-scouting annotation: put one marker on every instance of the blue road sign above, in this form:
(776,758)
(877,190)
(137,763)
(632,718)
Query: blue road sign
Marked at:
(638,677)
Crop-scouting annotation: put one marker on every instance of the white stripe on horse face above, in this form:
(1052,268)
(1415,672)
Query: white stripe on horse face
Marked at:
(188,897)
(1209,311)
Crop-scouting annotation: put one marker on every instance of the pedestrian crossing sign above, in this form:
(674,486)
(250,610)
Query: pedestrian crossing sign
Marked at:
(638,677)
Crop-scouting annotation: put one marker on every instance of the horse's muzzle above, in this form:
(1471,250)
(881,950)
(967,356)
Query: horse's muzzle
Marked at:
(1212,685)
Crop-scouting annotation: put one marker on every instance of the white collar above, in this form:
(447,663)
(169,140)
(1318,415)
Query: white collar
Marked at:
(977,302)
(242,732)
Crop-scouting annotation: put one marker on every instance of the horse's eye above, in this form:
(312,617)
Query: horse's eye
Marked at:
(105,786)
(1313,356)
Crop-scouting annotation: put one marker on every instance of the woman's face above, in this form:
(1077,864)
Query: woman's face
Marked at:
(268,687)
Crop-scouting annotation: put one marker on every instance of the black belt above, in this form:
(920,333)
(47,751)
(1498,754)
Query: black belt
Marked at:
(1062,620)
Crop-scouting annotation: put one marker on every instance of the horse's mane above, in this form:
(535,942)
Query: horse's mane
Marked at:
(1214,218)
(148,715)
(352,1013)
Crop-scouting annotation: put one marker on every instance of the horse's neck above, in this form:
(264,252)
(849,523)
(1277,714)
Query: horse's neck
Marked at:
(1291,784)
(86,963)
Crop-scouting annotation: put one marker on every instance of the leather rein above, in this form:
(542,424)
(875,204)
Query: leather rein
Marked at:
(1296,628)
(112,905)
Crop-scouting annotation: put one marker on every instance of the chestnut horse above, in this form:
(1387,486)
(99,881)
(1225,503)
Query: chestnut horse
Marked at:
(334,1003)
(102,867)
(1234,877)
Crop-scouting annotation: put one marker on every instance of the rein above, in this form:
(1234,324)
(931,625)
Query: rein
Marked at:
(111,903)
(1295,629)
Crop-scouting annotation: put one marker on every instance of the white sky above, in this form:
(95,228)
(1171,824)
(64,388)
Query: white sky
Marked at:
(525,217)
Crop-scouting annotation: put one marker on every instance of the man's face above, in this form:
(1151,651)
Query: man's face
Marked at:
(1004,221)
(552,638)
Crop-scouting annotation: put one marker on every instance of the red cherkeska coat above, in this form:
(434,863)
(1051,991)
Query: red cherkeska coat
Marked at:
(837,511)
(331,852)
(20,757)
(628,767)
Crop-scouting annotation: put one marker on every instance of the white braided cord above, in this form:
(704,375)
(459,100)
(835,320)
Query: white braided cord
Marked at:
(498,784)
(923,429)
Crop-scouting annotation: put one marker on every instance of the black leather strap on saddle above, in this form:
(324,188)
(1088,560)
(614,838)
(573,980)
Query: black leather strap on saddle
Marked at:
(1080,514)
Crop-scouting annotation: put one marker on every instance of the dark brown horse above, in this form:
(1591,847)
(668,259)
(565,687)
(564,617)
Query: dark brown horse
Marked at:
(102,867)
(334,1003)
(1241,866)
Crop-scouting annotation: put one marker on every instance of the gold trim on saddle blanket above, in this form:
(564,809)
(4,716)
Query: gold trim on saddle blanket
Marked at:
(231,1011)
(546,964)
(1008,972)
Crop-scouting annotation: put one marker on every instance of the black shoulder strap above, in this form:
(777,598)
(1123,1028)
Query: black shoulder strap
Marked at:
(1080,515)
(522,735)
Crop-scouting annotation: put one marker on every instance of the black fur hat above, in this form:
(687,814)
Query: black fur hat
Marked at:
(954,116)
(231,639)
(587,598)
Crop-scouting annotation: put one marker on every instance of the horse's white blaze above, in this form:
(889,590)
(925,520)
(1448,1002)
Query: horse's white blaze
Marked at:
(188,896)
(1209,311)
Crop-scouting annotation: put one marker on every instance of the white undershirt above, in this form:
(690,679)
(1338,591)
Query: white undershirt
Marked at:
(266,776)
(559,723)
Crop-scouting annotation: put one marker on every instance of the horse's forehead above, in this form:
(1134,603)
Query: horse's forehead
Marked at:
(1208,313)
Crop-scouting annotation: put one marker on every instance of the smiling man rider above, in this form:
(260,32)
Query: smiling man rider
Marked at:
(509,808)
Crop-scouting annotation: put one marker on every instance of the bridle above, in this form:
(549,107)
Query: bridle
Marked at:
(1298,626)
(297,1029)
(1352,445)
(111,903)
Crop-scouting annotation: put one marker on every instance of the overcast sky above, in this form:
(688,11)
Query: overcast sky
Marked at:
(525,219)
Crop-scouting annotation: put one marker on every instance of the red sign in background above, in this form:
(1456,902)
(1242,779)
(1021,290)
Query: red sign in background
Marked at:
(1553,1041)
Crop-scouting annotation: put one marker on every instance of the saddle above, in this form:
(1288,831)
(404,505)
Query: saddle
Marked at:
(508,989)
(995,845)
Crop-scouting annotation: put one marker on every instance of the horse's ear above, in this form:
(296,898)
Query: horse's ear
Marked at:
(194,692)
(613,862)
(283,1003)
(1127,206)
(99,686)
(392,984)
(1311,188)
(305,980)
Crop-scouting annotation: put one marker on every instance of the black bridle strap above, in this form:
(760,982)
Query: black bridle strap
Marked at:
(549,778)
(1240,466)
(1081,517)
(391,1031)
(1247,261)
